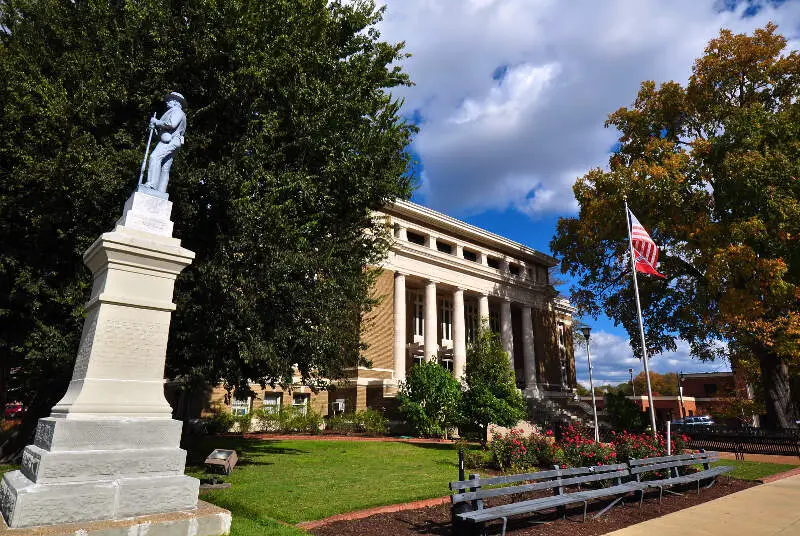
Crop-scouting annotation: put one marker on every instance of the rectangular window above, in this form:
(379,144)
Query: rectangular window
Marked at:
(272,402)
(240,406)
(446,319)
(300,402)
(418,305)
(541,275)
(444,247)
(415,238)
(494,320)
(562,336)
(471,256)
(493,262)
(532,274)
(471,319)
(513,268)
(710,389)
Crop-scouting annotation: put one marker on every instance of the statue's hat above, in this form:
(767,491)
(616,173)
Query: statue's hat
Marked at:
(177,96)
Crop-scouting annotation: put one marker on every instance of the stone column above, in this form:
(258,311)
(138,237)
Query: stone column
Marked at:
(528,352)
(505,330)
(483,310)
(459,334)
(110,449)
(431,323)
(399,326)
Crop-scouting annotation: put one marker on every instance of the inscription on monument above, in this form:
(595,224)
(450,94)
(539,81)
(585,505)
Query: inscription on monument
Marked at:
(130,345)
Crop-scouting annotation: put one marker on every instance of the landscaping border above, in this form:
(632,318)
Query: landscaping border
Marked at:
(360,514)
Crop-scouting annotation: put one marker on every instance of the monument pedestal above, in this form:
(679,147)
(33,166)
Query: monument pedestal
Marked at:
(110,449)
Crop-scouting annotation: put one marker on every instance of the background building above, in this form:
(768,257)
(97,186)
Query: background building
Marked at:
(442,278)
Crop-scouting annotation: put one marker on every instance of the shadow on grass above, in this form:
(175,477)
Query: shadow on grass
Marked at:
(248,450)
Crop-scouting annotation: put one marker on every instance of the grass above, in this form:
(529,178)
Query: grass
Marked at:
(749,470)
(294,481)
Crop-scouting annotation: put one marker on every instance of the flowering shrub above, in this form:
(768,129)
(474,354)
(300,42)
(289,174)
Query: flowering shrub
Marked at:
(634,446)
(580,451)
(514,452)
(517,453)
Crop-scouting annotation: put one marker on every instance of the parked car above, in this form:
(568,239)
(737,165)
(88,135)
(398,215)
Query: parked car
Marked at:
(13,411)
(702,420)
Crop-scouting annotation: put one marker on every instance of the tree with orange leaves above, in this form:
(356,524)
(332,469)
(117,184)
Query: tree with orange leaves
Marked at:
(712,169)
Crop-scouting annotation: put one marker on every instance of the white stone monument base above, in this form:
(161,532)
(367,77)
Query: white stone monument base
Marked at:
(205,520)
(110,449)
(87,470)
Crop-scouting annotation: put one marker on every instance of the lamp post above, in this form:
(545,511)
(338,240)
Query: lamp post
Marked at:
(680,393)
(633,385)
(586,331)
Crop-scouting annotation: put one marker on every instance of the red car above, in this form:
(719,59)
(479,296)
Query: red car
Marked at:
(13,411)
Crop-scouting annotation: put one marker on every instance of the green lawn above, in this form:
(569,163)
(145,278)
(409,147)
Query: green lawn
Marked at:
(748,470)
(295,481)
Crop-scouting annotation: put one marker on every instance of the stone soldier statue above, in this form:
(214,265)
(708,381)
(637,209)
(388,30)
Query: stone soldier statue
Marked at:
(171,128)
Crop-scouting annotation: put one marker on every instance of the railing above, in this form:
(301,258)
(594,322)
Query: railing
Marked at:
(785,442)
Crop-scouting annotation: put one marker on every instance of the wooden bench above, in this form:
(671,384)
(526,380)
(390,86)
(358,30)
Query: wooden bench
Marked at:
(469,513)
(673,466)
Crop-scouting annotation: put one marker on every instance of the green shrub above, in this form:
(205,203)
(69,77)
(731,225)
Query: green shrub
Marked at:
(219,422)
(288,420)
(368,421)
(430,399)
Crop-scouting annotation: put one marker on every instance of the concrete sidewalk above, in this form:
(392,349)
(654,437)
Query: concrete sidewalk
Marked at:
(769,509)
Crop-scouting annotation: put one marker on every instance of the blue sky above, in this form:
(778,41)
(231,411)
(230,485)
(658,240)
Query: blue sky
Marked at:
(511,96)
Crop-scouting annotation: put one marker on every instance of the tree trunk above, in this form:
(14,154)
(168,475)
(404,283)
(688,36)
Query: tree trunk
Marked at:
(4,373)
(777,393)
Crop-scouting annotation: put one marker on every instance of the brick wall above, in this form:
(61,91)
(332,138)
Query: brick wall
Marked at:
(377,330)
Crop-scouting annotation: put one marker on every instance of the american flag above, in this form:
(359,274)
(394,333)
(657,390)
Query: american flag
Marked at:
(644,248)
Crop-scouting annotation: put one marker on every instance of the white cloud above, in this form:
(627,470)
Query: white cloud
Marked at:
(522,139)
(612,356)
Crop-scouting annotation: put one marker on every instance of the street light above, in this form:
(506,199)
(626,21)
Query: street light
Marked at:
(586,331)
(633,385)
(680,392)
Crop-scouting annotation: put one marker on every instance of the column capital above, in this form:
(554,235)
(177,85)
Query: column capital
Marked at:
(398,272)
(431,282)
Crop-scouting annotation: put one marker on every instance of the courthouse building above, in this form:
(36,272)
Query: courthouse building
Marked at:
(443,277)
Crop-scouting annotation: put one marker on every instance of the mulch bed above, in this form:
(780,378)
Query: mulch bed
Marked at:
(436,520)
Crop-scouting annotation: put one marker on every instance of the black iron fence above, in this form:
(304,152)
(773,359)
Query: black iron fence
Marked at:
(785,442)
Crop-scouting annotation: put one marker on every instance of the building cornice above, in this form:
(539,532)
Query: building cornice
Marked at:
(428,216)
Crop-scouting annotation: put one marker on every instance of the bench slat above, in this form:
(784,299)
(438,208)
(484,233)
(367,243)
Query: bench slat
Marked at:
(658,459)
(552,473)
(669,465)
(508,479)
(593,478)
(535,505)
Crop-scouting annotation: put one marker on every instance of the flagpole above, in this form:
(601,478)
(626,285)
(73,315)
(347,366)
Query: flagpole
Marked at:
(641,324)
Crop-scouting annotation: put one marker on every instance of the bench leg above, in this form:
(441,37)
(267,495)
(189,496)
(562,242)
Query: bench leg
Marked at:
(607,508)
(641,498)
(660,493)
(713,481)
(585,506)
(505,523)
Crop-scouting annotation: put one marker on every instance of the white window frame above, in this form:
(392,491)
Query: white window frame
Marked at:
(418,308)
(446,319)
(306,402)
(241,406)
(562,335)
(270,407)
(471,319)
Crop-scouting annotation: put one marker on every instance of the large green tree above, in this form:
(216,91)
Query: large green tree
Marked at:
(293,139)
(711,168)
